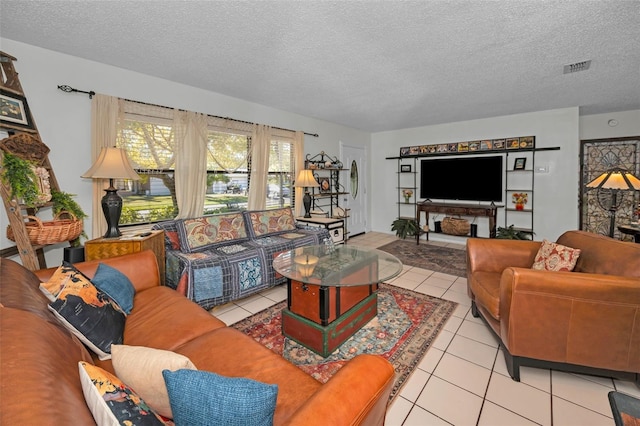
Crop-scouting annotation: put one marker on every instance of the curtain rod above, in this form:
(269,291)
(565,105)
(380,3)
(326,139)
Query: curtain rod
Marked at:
(91,94)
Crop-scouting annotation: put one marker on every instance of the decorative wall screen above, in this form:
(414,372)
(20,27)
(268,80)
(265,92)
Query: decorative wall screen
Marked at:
(596,157)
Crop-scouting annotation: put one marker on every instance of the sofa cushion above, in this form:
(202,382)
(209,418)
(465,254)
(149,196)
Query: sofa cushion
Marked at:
(218,350)
(141,368)
(39,357)
(603,255)
(161,308)
(265,222)
(204,398)
(555,257)
(111,401)
(486,290)
(117,286)
(24,292)
(89,314)
(205,232)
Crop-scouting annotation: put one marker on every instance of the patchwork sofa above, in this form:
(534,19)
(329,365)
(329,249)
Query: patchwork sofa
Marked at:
(579,312)
(215,259)
(40,382)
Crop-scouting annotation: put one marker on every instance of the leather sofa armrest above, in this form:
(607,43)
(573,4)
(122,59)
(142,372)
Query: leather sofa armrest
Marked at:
(562,316)
(494,255)
(357,394)
(141,268)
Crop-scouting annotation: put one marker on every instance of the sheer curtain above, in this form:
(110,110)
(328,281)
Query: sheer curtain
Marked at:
(106,113)
(298,146)
(190,131)
(260,148)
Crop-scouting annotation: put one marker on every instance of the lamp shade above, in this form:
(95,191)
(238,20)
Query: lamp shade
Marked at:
(615,179)
(305,179)
(112,163)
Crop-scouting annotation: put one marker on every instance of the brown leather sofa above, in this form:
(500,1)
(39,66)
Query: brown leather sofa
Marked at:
(585,321)
(40,384)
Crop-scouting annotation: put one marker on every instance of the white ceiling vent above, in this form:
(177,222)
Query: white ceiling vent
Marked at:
(578,66)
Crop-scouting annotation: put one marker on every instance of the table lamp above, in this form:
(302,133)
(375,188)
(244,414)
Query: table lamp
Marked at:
(306,180)
(615,180)
(112,163)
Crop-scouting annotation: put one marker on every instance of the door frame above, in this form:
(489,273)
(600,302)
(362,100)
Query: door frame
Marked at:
(363,179)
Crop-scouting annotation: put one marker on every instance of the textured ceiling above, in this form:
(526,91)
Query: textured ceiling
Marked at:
(370,65)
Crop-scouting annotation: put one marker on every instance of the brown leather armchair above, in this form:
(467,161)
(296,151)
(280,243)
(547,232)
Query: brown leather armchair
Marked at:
(585,321)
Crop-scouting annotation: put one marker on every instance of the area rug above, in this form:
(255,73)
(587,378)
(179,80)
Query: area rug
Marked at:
(435,258)
(406,326)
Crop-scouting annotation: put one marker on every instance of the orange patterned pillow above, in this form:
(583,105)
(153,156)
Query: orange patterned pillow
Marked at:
(555,257)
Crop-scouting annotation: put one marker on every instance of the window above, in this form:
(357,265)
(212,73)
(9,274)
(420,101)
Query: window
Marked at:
(147,134)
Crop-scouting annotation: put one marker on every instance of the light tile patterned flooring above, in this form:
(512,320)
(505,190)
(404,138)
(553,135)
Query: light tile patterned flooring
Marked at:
(463,379)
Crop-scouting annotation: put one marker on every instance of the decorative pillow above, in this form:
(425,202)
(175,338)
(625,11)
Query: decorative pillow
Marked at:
(270,221)
(141,368)
(89,314)
(555,257)
(56,283)
(117,286)
(204,398)
(111,401)
(205,232)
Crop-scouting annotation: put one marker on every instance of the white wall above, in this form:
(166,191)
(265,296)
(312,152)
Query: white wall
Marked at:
(556,192)
(597,126)
(64,120)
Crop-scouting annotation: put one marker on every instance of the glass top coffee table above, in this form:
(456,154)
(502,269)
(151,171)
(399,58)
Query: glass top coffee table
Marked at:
(331,292)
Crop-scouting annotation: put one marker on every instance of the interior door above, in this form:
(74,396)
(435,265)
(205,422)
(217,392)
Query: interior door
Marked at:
(353,160)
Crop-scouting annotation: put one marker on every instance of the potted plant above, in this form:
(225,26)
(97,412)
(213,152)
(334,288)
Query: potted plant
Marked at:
(405,227)
(29,183)
(511,233)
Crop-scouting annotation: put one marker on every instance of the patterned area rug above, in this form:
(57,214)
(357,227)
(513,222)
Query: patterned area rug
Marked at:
(439,259)
(406,325)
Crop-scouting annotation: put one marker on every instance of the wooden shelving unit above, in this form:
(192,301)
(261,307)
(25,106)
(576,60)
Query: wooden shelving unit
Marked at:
(24,142)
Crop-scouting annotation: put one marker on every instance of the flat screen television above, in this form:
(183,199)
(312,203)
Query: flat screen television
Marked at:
(462,178)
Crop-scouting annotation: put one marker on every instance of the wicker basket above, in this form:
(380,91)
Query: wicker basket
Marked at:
(455,226)
(53,231)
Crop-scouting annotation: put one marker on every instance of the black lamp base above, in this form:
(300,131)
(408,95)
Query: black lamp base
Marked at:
(306,200)
(112,208)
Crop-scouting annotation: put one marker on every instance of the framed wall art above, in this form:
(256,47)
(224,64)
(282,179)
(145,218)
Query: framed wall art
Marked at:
(405,168)
(14,111)
(519,163)
(325,184)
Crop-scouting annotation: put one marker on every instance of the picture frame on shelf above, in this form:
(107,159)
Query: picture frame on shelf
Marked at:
(14,111)
(405,168)
(520,163)
(325,184)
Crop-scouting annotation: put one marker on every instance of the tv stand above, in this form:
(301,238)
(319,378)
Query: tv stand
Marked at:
(477,210)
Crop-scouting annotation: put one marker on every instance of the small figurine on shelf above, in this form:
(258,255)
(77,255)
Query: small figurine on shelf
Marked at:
(407,193)
(519,199)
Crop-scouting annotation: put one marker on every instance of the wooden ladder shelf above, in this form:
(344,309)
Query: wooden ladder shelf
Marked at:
(24,141)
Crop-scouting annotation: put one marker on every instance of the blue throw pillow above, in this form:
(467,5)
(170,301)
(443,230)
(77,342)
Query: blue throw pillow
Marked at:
(117,286)
(205,398)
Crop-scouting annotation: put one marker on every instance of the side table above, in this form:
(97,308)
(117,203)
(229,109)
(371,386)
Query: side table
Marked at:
(102,248)
(335,226)
(631,229)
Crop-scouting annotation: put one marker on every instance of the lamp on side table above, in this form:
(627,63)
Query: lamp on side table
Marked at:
(306,180)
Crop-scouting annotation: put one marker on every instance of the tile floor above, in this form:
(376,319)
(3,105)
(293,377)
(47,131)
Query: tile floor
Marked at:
(463,379)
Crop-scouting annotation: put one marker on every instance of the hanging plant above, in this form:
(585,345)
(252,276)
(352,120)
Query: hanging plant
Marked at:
(20,175)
